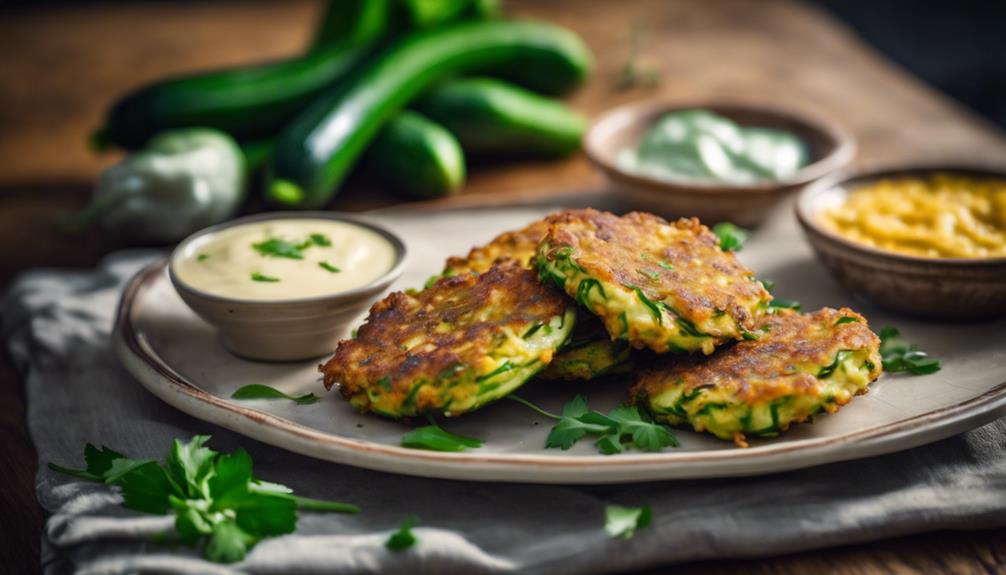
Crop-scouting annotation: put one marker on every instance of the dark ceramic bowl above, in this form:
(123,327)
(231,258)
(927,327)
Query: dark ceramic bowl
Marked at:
(830,148)
(935,288)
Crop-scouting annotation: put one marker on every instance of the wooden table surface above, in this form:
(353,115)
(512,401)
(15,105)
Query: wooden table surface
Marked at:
(64,64)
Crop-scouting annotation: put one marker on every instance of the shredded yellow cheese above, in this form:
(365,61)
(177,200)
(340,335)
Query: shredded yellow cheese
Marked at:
(945,216)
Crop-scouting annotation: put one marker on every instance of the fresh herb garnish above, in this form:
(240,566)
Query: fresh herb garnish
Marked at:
(900,356)
(329,267)
(435,438)
(650,274)
(623,427)
(846,319)
(316,240)
(259,391)
(278,248)
(624,521)
(665,265)
(218,504)
(260,277)
(732,238)
(403,538)
(783,303)
(202,257)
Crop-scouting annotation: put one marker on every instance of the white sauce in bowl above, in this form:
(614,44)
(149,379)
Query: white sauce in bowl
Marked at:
(284,259)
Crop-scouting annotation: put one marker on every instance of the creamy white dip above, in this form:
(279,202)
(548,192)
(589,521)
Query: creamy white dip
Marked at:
(285,259)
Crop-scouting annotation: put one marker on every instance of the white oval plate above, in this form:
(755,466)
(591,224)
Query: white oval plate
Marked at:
(177,357)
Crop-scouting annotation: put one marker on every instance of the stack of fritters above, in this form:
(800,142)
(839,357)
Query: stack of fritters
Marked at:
(463,342)
(717,356)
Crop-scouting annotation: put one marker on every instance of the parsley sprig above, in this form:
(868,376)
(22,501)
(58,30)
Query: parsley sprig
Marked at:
(731,237)
(622,428)
(218,504)
(901,356)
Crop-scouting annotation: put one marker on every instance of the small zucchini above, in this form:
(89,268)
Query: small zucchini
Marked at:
(417,157)
(316,151)
(492,117)
(251,102)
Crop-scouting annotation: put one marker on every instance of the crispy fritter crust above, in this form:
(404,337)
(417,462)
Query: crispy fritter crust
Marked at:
(519,245)
(785,362)
(764,369)
(439,336)
(678,265)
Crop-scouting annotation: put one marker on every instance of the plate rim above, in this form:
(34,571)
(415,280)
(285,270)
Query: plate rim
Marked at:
(272,429)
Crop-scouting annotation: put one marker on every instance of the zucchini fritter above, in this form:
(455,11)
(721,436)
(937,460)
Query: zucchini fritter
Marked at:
(463,342)
(519,245)
(799,365)
(658,285)
(590,352)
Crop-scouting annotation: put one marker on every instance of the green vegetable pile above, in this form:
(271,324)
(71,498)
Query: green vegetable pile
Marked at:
(382,87)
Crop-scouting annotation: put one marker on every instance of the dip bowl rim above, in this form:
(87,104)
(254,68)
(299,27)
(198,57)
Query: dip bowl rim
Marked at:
(808,210)
(842,145)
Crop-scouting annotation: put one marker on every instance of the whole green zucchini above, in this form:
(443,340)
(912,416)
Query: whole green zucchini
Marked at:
(417,157)
(316,150)
(250,102)
(489,116)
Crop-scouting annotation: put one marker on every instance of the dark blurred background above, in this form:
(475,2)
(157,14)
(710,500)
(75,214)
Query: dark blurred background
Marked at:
(957,46)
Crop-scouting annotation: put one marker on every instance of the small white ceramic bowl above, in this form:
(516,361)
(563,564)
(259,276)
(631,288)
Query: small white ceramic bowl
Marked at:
(287,329)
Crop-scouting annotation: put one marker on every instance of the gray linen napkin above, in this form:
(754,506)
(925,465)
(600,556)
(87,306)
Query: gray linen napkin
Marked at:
(57,326)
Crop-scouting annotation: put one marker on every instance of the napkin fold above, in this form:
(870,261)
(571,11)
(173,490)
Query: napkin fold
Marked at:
(57,324)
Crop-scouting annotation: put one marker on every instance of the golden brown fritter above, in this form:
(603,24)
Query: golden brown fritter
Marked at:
(519,245)
(799,365)
(590,352)
(665,286)
(465,341)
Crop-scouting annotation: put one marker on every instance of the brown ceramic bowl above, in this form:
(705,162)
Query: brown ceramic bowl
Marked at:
(830,148)
(936,288)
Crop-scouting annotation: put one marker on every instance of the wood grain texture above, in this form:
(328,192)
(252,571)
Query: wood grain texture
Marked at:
(63,65)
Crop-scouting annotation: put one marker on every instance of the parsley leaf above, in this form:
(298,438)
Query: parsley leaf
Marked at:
(217,502)
(435,438)
(329,267)
(900,356)
(625,426)
(99,461)
(403,538)
(258,391)
(278,248)
(846,319)
(202,257)
(318,240)
(624,521)
(260,277)
(732,238)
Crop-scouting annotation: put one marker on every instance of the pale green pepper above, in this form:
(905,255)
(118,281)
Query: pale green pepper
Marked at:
(181,182)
